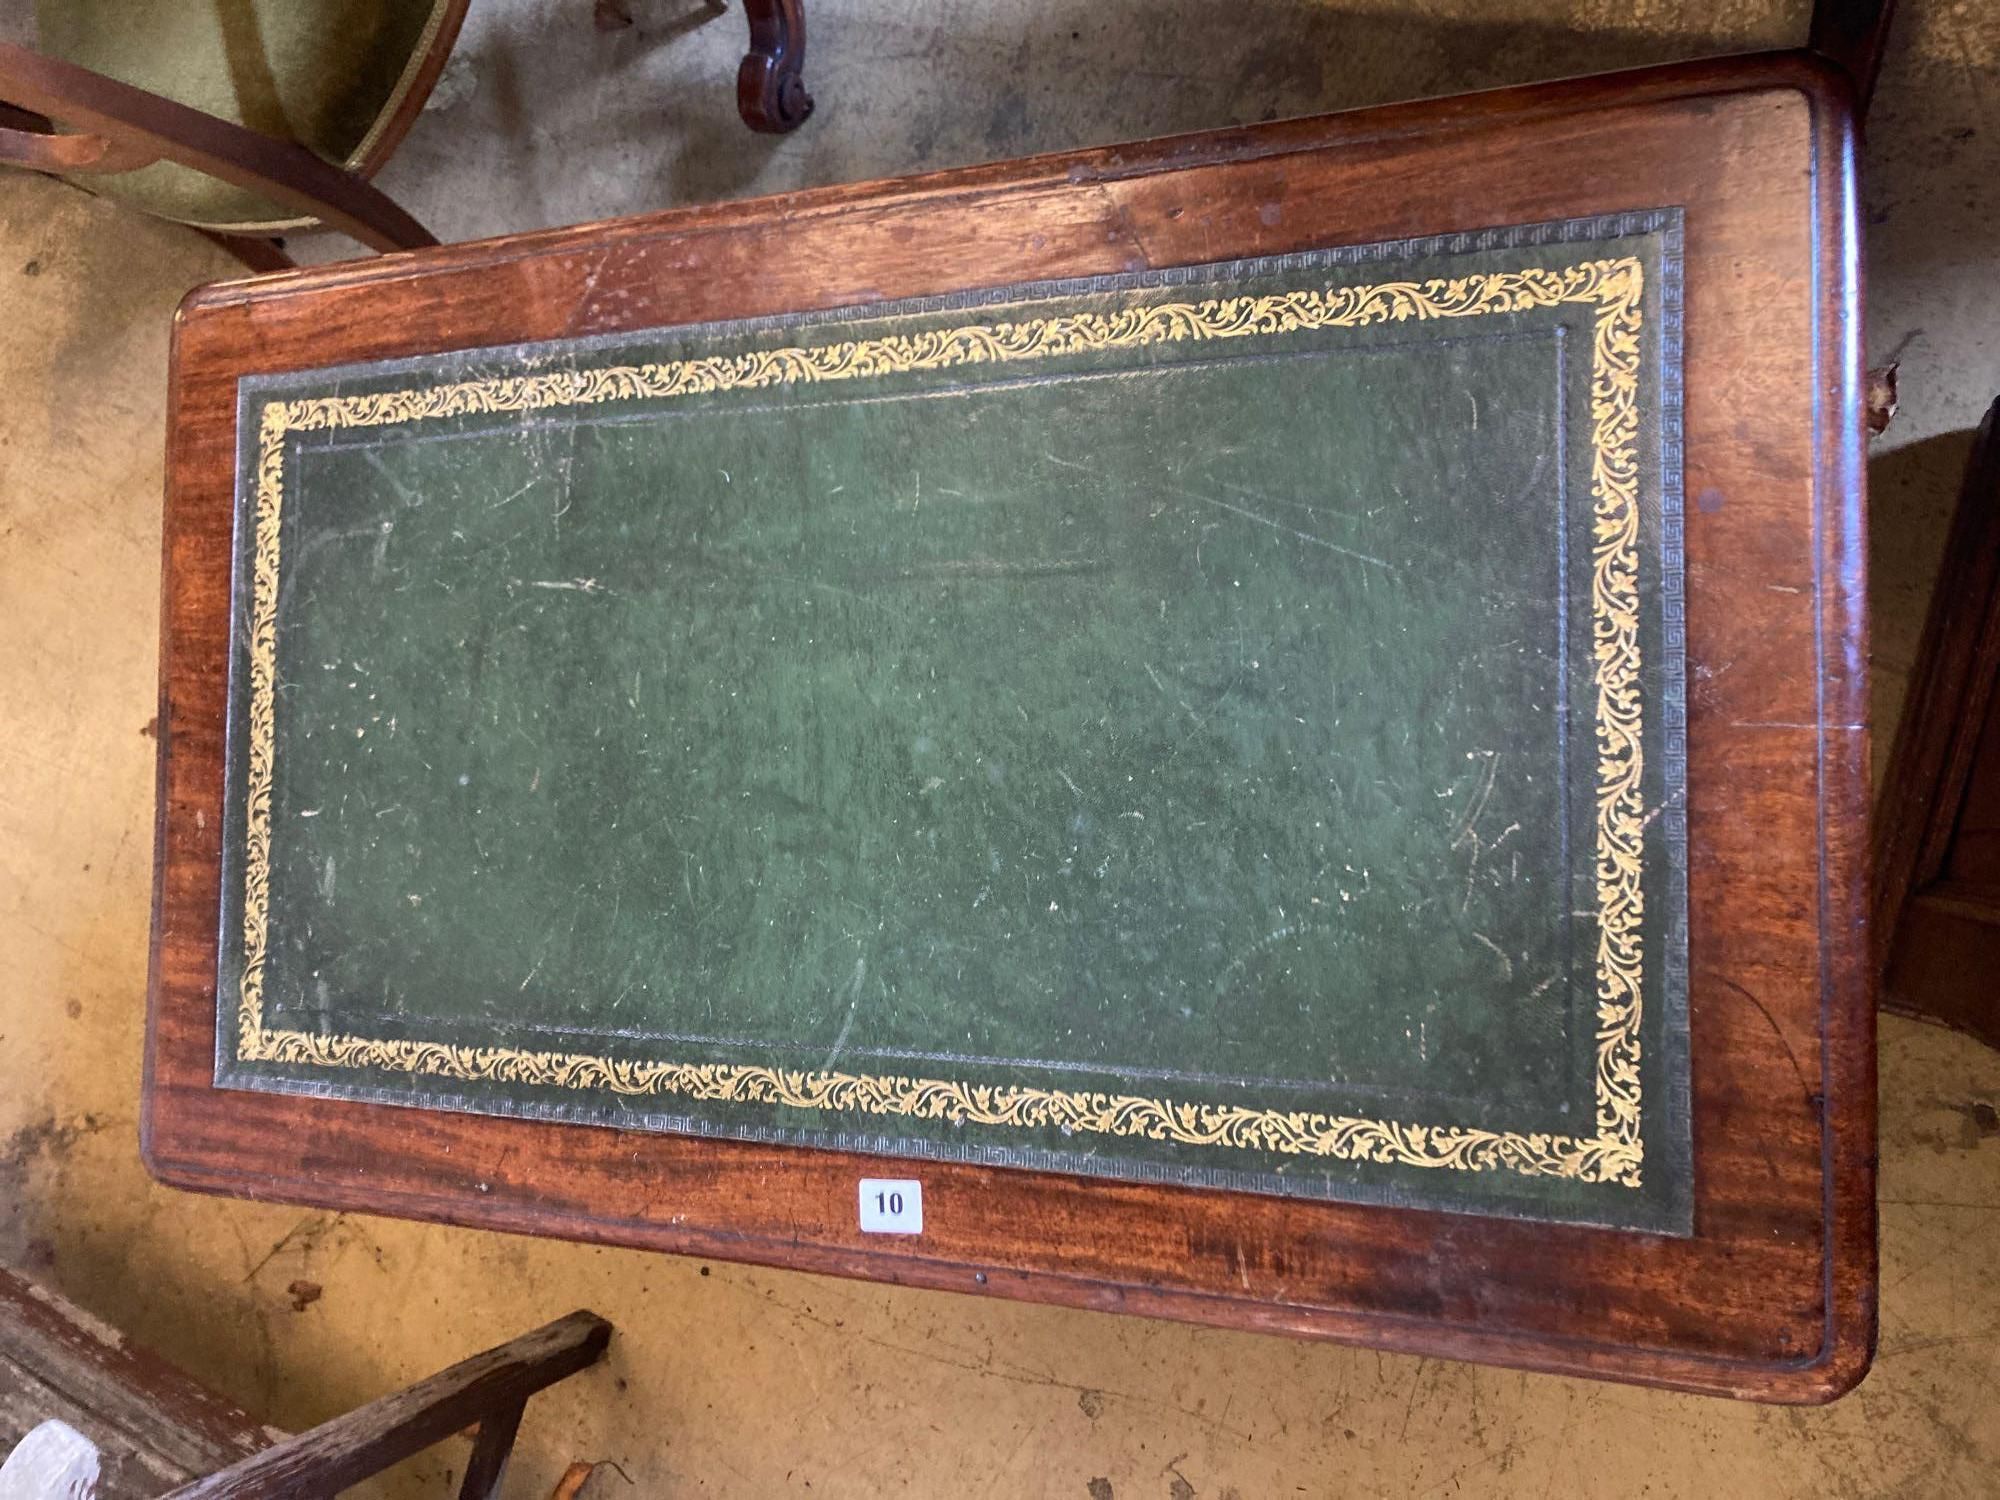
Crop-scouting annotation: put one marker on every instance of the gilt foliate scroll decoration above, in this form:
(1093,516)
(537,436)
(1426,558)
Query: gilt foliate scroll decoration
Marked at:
(1612,1153)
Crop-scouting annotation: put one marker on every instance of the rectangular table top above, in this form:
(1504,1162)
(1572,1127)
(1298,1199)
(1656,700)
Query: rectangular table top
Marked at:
(1218,749)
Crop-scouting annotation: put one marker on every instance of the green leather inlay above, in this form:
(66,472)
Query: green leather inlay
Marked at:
(1158,743)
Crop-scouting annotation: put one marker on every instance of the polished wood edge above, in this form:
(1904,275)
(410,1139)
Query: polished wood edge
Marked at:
(1847,1034)
(163,765)
(1804,72)
(1807,1381)
(1847,979)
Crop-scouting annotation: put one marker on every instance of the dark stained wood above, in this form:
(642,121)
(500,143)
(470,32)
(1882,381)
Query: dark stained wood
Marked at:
(770,84)
(259,255)
(1851,34)
(1772,1297)
(142,122)
(153,1427)
(419,78)
(157,1430)
(490,1452)
(1937,878)
(15,118)
(489,1388)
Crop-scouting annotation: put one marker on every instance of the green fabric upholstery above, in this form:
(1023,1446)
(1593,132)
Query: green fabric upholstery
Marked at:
(323,73)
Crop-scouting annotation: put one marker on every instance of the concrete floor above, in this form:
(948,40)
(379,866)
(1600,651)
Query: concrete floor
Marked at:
(740,1382)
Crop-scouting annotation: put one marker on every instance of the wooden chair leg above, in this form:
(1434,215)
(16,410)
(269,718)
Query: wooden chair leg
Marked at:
(490,1452)
(489,1389)
(1936,899)
(1851,35)
(259,255)
(770,86)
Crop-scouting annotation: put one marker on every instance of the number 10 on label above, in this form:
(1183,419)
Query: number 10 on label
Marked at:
(891,1205)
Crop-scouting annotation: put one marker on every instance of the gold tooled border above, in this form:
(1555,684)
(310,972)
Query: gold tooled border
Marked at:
(1613,1154)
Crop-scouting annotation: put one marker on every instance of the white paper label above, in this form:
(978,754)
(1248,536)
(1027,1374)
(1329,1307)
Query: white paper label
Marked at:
(891,1205)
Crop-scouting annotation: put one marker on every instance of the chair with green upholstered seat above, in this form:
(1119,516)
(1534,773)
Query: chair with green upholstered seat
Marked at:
(244,118)
(344,78)
(248,118)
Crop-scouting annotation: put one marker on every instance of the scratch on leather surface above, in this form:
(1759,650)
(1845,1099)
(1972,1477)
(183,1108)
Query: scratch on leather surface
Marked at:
(1613,1154)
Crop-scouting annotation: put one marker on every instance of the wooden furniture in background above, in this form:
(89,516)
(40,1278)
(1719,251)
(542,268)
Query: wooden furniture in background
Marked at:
(128,129)
(158,1432)
(770,85)
(246,122)
(1851,34)
(137,123)
(153,1427)
(1771,1296)
(489,1390)
(201,117)
(1937,876)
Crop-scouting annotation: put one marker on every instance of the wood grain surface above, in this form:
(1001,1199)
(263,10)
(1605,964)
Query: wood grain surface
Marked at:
(153,1426)
(487,1391)
(1772,1297)
(1937,853)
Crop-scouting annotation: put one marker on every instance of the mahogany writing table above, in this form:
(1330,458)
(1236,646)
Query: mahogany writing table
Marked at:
(1270,725)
